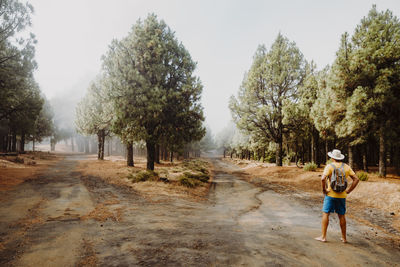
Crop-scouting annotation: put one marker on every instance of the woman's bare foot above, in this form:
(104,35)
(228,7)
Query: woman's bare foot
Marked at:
(320,238)
(343,240)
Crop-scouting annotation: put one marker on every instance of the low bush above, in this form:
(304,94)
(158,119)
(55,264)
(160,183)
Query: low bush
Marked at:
(196,165)
(270,157)
(363,176)
(287,159)
(31,162)
(193,179)
(311,166)
(143,176)
(202,177)
(18,160)
(188,182)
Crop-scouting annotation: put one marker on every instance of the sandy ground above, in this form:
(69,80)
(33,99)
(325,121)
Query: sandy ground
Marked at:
(34,163)
(374,202)
(64,218)
(113,170)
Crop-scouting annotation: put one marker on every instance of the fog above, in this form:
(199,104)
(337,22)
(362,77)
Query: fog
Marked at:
(221,37)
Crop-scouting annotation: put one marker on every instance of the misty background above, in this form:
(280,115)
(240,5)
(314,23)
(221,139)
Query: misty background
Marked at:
(221,36)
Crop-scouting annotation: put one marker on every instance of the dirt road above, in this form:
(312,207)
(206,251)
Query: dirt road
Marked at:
(66,219)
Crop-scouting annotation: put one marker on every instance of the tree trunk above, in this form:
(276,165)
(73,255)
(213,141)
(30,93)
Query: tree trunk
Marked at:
(72,144)
(157,154)
(382,152)
(33,143)
(397,159)
(313,147)
(326,150)
(9,142)
(364,157)
(165,153)
(279,154)
(151,147)
(108,147)
(22,143)
(172,156)
(351,159)
(129,159)
(99,145)
(14,142)
(103,139)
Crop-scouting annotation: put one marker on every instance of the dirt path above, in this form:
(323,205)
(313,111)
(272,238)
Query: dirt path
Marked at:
(64,219)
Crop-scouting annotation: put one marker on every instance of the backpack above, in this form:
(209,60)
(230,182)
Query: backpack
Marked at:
(338,179)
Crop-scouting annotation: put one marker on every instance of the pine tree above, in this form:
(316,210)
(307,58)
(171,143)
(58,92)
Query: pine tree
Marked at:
(155,94)
(275,75)
(94,113)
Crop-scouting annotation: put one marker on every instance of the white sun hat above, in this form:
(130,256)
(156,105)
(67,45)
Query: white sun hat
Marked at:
(336,154)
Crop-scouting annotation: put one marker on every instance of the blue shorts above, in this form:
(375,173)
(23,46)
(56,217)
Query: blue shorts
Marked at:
(333,204)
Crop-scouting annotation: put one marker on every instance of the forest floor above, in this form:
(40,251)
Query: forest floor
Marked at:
(68,216)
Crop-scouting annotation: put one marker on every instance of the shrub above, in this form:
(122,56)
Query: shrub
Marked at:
(18,160)
(188,182)
(311,166)
(287,159)
(196,165)
(143,176)
(270,157)
(192,179)
(363,176)
(32,162)
(202,177)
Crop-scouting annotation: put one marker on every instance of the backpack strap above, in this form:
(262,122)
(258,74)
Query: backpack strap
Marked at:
(334,170)
(334,167)
(343,172)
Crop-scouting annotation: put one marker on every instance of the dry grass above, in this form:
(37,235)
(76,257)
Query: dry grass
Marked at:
(12,173)
(114,170)
(89,255)
(101,213)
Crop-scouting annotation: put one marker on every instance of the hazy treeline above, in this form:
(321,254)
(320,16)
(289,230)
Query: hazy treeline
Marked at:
(25,114)
(146,94)
(286,109)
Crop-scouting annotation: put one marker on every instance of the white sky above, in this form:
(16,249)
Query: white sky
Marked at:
(221,36)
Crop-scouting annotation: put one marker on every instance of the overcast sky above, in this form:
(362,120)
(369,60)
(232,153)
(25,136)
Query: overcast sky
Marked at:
(221,36)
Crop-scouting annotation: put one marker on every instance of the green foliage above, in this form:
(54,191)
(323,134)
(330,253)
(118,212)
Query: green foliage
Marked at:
(189,179)
(207,143)
(143,176)
(94,112)
(197,175)
(202,177)
(287,159)
(196,165)
(154,91)
(310,166)
(188,182)
(22,108)
(273,76)
(363,176)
